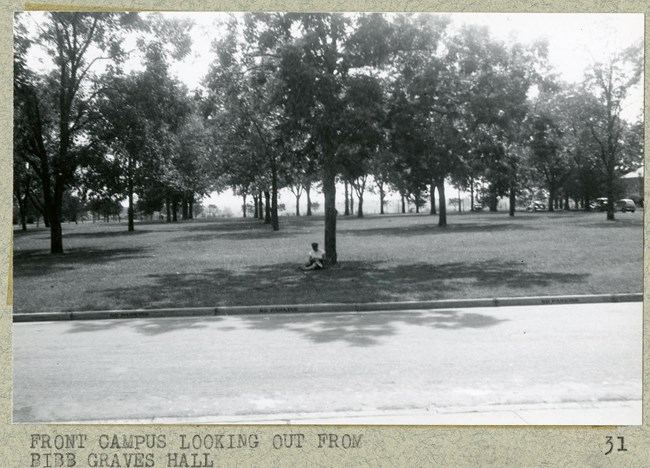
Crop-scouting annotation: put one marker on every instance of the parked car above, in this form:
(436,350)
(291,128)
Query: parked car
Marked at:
(600,204)
(536,206)
(477,207)
(625,204)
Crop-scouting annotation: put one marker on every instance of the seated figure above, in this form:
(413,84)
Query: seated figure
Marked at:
(316,258)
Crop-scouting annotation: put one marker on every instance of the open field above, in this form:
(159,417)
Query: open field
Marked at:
(387,258)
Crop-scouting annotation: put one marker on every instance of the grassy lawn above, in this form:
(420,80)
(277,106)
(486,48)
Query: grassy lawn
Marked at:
(387,258)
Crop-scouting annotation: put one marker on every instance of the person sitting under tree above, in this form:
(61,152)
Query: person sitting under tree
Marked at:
(316,258)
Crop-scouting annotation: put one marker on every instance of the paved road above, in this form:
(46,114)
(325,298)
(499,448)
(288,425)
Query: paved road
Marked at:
(263,367)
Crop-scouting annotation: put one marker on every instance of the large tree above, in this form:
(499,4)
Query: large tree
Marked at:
(363,135)
(427,106)
(57,105)
(498,78)
(141,120)
(245,94)
(550,144)
(326,50)
(616,139)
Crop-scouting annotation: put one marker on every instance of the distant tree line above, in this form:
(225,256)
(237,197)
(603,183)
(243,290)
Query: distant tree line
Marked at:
(398,103)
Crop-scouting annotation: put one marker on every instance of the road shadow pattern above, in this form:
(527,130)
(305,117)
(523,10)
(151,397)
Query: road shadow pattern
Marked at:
(354,329)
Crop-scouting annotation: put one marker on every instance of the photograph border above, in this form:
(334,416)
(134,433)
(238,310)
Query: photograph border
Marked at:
(379,445)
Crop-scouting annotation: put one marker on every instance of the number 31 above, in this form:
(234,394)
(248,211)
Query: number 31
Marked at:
(611,444)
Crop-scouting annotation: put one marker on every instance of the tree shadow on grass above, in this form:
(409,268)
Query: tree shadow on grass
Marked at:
(241,235)
(103,234)
(41,263)
(616,224)
(379,282)
(348,282)
(244,232)
(432,228)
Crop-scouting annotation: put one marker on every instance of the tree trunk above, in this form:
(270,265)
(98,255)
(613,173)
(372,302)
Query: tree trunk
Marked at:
(56,236)
(360,207)
(329,190)
(52,202)
(275,222)
(243,207)
(22,206)
(610,196)
(185,212)
(23,220)
(351,203)
(493,199)
(433,199)
(297,205)
(22,209)
(168,209)
(403,202)
(131,224)
(551,200)
(174,209)
(417,203)
(382,198)
(442,219)
(256,207)
(308,191)
(260,208)
(191,203)
(471,194)
(54,216)
(513,194)
(267,206)
(40,208)
(347,199)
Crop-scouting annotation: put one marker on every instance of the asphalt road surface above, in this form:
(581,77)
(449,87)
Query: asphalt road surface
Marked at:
(238,367)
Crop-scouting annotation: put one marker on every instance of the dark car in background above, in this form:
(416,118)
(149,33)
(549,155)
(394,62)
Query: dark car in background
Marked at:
(536,206)
(625,204)
(600,204)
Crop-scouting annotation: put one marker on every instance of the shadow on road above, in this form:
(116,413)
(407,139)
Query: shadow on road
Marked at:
(355,329)
(150,327)
(366,329)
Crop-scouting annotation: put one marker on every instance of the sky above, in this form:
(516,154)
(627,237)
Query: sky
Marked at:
(575,41)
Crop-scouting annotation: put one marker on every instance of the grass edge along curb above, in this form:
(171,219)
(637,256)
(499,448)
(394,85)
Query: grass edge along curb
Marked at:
(310,308)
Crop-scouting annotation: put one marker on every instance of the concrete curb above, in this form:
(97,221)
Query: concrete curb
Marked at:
(311,308)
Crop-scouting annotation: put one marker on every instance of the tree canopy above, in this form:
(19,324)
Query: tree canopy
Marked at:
(299,101)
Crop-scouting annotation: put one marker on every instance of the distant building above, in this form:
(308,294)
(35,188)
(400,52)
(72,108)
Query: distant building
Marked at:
(631,186)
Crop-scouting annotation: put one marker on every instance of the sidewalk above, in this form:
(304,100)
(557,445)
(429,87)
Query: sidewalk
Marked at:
(610,413)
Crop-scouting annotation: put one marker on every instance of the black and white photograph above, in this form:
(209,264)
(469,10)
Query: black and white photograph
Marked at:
(402,219)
